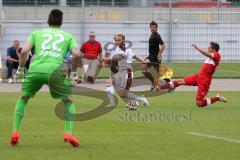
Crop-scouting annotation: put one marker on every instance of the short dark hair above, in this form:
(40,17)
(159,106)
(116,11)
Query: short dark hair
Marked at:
(215,46)
(55,17)
(153,23)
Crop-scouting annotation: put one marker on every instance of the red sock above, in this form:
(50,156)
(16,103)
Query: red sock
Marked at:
(209,101)
(165,86)
(176,84)
(214,99)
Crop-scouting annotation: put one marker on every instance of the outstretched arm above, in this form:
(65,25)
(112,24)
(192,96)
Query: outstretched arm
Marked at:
(204,52)
(140,59)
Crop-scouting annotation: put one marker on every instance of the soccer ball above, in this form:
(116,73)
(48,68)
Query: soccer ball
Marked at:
(132,104)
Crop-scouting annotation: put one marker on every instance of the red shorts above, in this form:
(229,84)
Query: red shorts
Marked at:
(202,82)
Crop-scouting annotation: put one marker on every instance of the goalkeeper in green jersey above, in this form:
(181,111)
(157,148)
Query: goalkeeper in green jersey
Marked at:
(51,45)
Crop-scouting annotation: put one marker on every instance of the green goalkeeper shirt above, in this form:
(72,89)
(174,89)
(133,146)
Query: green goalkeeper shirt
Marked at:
(51,45)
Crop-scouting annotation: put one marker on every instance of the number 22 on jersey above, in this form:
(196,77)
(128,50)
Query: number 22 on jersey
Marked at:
(51,42)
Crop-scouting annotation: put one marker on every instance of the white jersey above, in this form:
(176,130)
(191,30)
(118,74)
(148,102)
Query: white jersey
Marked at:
(117,50)
(126,62)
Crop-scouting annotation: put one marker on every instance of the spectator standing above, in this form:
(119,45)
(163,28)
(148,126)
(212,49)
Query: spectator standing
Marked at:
(92,57)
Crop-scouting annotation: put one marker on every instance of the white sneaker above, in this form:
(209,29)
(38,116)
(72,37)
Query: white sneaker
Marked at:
(222,99)
(143,100)
(10,80)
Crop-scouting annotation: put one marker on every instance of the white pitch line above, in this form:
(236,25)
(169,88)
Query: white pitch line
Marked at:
(214,137)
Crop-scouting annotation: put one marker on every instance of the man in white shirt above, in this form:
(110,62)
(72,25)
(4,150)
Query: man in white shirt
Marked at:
(122,80)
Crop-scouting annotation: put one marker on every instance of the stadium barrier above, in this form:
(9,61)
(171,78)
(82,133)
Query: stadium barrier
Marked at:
(1,68)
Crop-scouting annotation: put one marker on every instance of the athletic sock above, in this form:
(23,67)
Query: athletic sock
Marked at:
(214,99)
(165,86)
(110,93)
(19,113)
(209,101)
(169,85)
(175,84)
(69,112)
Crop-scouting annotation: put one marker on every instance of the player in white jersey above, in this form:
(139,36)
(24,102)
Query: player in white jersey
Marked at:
(122,80)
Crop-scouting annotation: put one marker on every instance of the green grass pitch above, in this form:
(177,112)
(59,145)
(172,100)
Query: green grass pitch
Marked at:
(113,136)
(225,70)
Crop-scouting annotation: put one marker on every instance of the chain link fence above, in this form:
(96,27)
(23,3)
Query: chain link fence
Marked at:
(180,23)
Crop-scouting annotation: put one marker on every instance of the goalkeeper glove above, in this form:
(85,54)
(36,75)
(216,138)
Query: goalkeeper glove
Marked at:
(20,73)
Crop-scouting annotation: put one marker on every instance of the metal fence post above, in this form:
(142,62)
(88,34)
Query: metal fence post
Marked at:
(82,31)
(219,10)
(113,3)
(63,2)
(35,8)
(1,12)
(2,17)
(82,20)
(169,59)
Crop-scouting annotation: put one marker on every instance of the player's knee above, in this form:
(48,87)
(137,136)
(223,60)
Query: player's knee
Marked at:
(144,71)
(67,100)
(144,68)
(122,93)
(109,81)
(199,103)
(25,98)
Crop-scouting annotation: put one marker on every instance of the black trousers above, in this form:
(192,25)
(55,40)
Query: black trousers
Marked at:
(10,66)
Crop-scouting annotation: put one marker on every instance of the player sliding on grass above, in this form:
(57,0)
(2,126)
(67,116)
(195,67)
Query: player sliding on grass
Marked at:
(51,45)
(203,78)
(122,79)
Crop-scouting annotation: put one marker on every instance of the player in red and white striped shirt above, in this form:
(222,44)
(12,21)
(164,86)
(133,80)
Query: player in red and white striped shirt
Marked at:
(203,78)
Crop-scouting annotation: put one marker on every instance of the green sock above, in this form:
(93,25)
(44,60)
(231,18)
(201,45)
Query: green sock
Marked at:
(69,111)
(19,113)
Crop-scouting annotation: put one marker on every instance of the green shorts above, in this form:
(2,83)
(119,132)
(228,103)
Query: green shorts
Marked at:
(59,86)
